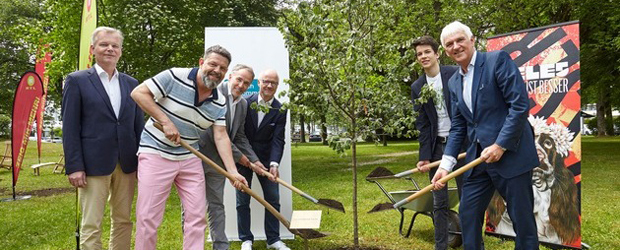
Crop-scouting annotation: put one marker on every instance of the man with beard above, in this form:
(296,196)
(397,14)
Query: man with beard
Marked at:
(185,101)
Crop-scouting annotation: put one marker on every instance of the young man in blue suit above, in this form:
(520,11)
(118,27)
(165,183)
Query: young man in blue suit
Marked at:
(101,131)
(265,131)
(490,107)
(433,122)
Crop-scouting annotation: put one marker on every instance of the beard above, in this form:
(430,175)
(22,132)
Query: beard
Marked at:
(209,83)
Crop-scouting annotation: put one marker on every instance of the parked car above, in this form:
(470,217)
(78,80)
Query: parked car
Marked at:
(316,136)
(296,137)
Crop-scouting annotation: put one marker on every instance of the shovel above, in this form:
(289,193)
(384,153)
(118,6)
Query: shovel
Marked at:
(383,173)
(333,204)
(304,233)
(445,179)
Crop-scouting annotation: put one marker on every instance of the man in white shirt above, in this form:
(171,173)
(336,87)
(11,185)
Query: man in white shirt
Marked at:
(101,131)
(265,131)
(490,107)
(433,122)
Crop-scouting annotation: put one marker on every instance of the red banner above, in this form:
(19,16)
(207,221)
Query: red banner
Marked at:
(27,98)
(40,69)
(548,58)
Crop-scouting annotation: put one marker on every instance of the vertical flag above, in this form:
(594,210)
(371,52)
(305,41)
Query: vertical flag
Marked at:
(89,23)
(27,97)
(40,69)
(548,58)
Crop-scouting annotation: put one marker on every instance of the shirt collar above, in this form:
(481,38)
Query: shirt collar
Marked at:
(260,99)
(100,71)
(193,75)
(471,65)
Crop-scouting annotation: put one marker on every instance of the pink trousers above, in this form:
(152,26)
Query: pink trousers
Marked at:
(155,178)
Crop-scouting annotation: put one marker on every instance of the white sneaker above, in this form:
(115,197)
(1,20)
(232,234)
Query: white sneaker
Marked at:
(278,245)
(246,245)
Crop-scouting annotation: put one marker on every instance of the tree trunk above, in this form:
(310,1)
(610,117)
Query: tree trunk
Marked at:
(603,101)
(609,119)
(384,138)
(324,128)
(356,242)
(302,132)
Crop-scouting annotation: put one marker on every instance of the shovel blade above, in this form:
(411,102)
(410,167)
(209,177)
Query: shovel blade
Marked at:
(380,172)
(308,234)
(333,204)
(381,207)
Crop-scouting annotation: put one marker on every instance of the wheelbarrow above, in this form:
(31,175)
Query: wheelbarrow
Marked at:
(424,206)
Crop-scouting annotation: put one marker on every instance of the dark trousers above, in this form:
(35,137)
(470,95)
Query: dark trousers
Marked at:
(478,189)
(440,201)
(271,194)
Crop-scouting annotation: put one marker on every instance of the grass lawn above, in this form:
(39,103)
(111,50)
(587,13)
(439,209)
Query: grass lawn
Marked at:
(48,221)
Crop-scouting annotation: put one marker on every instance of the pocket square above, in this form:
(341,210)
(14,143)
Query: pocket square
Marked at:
(272,124)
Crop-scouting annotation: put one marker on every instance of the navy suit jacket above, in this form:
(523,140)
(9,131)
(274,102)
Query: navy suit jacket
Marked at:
(267,140)
(426,121)
(94,140)
(500,110)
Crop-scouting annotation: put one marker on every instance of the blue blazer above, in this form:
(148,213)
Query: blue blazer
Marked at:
(94,140)
(267,140)
(426,121)
(500,109)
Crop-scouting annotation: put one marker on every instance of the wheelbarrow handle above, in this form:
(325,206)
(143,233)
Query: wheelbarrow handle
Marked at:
(445,179)
(220,170)
(430,165)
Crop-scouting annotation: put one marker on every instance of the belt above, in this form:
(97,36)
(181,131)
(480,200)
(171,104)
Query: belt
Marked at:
(442,139)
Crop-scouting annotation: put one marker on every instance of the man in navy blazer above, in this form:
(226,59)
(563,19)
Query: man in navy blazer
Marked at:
(101,127)
(433,122)
(490,107)
(265,132)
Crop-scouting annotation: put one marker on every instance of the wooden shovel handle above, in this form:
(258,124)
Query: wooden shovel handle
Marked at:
(220,170)
(436,163)
(445,179)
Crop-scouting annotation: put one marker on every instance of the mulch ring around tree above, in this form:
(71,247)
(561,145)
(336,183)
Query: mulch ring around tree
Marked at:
(40,192)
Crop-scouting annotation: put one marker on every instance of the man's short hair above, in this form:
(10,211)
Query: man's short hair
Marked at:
(426,40)
(239,67)
(94,37)
(453,28)
(218,50)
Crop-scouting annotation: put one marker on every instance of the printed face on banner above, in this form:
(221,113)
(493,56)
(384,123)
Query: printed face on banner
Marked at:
(107,49)
(549,63)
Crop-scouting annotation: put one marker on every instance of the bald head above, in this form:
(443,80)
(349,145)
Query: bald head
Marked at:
(268,81)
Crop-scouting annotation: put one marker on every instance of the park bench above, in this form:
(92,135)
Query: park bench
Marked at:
(59,166)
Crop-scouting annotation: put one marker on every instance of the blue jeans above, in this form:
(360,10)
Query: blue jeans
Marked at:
(271,193)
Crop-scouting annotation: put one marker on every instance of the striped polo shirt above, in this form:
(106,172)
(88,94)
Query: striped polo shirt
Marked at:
(177,96)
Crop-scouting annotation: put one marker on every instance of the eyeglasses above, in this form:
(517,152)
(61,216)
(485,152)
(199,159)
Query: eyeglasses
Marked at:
(273,83)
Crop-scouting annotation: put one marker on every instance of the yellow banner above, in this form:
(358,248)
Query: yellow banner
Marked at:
(89,23)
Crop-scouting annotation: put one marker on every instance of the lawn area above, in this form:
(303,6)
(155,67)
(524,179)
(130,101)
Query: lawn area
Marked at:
(48,222)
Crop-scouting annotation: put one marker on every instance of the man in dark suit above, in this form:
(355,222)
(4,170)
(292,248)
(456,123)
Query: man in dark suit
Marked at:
(490,107)
(433,122)
(265,131)
(101,127)
(238,82)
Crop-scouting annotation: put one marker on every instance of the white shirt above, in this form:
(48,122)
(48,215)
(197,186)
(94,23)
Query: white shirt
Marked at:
(443,120)
(111,86)
(261,115)
(447,161)
(232,104)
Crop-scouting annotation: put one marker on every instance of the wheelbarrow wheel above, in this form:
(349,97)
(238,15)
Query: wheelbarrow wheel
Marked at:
(454,227)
